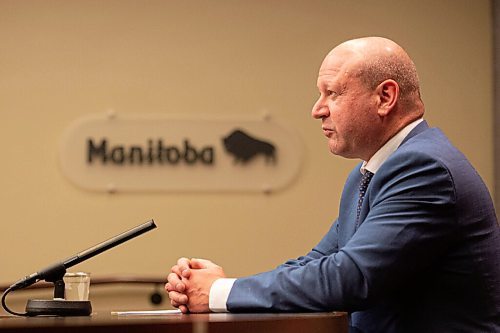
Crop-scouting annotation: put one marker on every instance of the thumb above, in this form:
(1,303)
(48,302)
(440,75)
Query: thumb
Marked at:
(202,263)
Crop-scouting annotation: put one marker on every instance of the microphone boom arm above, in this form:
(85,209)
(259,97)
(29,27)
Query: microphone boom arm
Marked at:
(56,271)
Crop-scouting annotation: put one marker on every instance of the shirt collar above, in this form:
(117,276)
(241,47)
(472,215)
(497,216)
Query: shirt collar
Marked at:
(387,149)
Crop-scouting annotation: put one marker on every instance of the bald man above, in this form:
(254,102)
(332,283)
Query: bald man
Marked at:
(416,246)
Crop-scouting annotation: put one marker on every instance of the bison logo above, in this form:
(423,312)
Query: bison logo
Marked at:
(244,147)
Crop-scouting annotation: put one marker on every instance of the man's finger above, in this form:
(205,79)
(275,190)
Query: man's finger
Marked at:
(175,269)
(178,297)
(183,264)
(180,287)
(175,283)
(186,273)
(173,279)
(181,307)
(202,263)
(175,304)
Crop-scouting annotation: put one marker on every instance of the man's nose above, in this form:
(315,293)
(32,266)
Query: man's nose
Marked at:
(319,110)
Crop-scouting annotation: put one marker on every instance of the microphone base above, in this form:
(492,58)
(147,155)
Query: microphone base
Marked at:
(62,308)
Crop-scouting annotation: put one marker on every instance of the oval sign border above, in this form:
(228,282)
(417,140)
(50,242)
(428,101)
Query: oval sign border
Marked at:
(152,134)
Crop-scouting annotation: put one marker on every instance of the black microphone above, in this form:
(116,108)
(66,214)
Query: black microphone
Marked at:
(57,270)
(55,273)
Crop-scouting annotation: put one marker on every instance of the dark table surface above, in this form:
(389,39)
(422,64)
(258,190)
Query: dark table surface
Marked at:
(334,322)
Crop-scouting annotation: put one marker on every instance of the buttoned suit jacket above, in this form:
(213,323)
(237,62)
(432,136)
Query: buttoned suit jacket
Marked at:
(425,258)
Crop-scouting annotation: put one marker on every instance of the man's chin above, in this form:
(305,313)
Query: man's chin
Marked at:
(336,150)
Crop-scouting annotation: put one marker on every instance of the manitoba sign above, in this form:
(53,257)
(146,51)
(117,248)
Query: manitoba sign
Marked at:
(109,152)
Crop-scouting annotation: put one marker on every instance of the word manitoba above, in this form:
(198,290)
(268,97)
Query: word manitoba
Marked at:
(153,152)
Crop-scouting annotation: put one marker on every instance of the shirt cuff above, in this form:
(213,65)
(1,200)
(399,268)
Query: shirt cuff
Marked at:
(219,293)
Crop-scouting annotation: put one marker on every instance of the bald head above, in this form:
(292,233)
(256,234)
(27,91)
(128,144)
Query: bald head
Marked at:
(375,59)
(369,91)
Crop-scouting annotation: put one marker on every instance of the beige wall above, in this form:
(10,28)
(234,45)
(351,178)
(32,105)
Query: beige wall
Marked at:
(61,60)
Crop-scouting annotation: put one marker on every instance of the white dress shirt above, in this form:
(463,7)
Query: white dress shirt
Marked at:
(219,292)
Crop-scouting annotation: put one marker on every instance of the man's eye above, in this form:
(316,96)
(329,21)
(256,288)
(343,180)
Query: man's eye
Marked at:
(328,93)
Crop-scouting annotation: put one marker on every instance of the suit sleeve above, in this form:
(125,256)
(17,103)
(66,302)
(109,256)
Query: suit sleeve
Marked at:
(409,223)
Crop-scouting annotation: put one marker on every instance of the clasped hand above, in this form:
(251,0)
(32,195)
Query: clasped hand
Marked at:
(189,284)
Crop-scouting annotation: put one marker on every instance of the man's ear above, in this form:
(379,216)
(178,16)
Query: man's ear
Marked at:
(388,94)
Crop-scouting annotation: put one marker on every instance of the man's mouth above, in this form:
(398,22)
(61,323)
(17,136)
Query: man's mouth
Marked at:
(327,131)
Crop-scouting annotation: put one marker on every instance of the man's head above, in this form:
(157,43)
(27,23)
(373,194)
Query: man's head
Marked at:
(369,90)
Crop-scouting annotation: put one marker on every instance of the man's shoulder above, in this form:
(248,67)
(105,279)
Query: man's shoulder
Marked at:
(430,157)
(426,158)
(430,137)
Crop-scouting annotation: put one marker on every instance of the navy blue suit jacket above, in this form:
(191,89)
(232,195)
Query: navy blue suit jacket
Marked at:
(426,257)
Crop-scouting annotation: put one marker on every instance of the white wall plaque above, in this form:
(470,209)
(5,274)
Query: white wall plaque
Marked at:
(114,152)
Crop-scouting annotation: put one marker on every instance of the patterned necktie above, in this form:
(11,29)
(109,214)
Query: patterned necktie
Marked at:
(363,185)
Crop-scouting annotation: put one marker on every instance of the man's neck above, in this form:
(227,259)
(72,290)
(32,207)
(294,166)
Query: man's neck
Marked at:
(379,157)
(393,130)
